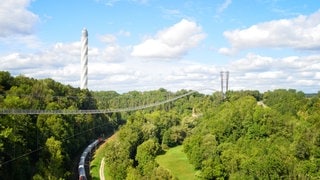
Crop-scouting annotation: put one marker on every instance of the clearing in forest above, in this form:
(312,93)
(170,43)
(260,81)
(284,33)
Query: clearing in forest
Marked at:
(176,161)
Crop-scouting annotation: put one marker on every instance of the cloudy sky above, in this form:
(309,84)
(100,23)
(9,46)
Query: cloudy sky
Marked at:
(149,44)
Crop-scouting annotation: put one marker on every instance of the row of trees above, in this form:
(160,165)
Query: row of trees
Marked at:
(44,146)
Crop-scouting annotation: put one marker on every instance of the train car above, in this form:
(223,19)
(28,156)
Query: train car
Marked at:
(82,173)
(84,156)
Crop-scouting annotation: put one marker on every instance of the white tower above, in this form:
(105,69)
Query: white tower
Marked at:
(221,76)
(84,59)
(222,73)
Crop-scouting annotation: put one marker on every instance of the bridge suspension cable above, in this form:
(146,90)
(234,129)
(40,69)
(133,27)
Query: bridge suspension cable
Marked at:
(90,111)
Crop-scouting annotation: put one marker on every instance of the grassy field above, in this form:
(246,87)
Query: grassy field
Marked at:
(96,160)
(175,160)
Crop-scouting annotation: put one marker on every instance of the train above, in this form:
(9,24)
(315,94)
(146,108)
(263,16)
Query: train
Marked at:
(85,156)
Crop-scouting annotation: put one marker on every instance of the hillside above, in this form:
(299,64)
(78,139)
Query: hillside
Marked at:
(44,146)
(235,137)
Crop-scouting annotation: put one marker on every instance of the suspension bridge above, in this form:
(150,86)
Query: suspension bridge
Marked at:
(91,111)
(74,112)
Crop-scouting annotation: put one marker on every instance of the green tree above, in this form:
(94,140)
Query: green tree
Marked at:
(118,160)
(146,153)
(285,101)
(6,81)
(173,136)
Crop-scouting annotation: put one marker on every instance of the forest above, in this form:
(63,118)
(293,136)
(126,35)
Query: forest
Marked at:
(45,146)
(247,135)
(242,135)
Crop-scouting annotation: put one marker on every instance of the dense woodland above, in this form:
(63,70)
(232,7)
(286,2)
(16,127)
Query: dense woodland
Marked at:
(246,135)
(44,146)
(279,139)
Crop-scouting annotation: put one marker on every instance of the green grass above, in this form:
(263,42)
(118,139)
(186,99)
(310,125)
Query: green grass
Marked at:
(95,163)
(175,160)
(96,160)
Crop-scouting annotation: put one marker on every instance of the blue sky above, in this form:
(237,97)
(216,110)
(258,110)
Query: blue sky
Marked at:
(148,44)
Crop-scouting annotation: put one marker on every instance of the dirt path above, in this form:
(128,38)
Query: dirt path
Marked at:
(101,170)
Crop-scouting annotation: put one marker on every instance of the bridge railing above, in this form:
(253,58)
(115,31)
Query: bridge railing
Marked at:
(92,111)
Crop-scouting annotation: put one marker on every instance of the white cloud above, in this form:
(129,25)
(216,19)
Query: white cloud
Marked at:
(172,14)
(62,63)
(254,62)
(108,38)
(111,69)
(267,73)
(17,25)
(113,2)
(107,69)
(140,1)
(112,38)
(124,33)
(224,6)
(109,54)
(301,33)
(16,19)
(21,42)
(172,42)
(112,52)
